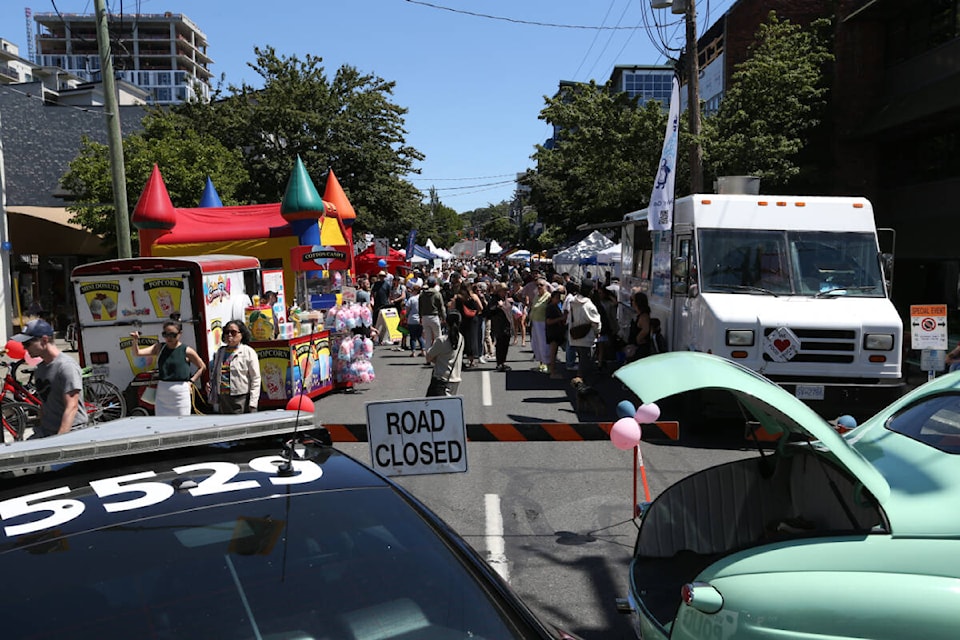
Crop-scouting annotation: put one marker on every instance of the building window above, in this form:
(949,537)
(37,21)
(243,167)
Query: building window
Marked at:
(163,78)
(163,95)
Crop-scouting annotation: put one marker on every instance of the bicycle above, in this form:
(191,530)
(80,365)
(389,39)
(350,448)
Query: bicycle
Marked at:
(16,418)
(70,335)
(102,400)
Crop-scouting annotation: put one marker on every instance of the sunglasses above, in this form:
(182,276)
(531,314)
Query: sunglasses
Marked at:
(231,332)
(170,334)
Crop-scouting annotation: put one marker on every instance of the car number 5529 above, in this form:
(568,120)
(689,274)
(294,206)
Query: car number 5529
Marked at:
(220,480)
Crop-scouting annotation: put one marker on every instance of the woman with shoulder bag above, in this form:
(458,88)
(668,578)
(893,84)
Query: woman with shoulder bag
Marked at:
(234,385)
(446,356)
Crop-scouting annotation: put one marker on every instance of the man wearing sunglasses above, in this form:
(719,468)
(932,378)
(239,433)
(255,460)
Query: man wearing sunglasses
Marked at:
(59,381)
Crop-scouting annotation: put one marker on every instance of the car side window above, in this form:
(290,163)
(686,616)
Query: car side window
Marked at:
(932,421)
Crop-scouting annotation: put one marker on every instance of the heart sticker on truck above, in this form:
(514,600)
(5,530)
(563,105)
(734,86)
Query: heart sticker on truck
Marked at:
(781,344)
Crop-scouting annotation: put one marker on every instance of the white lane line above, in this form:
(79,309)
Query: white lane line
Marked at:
(496,548)
(485,393)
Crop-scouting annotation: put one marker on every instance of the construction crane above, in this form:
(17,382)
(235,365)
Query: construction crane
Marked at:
(31,53)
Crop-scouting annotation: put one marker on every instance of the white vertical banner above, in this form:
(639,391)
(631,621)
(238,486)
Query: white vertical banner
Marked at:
(660,216)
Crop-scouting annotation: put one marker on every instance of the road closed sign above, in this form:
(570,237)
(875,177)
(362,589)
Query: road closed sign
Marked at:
(928,326)
(417,437)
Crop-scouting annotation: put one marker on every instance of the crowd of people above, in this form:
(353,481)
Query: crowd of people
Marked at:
(482,308)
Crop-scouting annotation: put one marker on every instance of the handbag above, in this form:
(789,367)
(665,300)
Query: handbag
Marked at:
(467,311)
(581,330)
(578,331)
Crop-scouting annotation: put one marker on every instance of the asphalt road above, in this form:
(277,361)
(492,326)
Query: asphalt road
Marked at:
(567,534)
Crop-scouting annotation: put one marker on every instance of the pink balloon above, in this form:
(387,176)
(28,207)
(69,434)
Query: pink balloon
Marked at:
(31,361)
(625,433)
(647,413)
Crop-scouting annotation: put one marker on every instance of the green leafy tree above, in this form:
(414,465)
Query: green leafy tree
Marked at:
(603,162)
(186,158)
(347,122)
(775,100)
(438,222)
(503,230)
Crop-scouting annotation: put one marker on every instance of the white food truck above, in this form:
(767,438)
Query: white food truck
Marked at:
(792,287)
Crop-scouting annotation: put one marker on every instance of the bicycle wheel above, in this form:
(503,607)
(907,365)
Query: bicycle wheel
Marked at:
(103,401)
(19,419)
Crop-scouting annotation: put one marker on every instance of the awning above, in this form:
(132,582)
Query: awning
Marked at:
(47,231)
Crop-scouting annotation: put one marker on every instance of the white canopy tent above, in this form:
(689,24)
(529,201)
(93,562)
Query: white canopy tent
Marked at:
(443,253)
(571,259)
(610,258)
(475,248)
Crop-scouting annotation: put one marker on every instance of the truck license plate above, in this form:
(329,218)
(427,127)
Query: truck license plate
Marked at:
(809,391)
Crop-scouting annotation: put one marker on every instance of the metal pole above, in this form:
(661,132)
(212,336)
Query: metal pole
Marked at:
(7,287)
(693,100)
(114,140)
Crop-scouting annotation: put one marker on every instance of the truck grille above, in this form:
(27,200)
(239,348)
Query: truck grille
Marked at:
(822,345)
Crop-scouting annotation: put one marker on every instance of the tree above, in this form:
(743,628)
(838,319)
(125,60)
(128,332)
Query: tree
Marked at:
(503,230)
(347,122)
(774,101)
(603,162)
(439,222)
(186,159)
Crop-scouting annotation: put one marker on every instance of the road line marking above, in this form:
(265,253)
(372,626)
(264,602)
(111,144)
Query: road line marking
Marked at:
(496,548)
(486,395)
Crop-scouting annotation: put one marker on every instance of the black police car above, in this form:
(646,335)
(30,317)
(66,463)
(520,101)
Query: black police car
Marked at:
(231,527)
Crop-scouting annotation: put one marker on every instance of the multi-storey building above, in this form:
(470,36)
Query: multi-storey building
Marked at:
(165,54)
(644,82)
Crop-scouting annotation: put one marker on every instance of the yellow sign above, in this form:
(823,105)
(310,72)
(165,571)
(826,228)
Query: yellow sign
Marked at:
(165,294)
(388,325)
(139,364)
(102,299)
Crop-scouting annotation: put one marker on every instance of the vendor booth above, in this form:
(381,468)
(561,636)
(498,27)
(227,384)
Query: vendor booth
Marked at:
(572,259)
(308,236)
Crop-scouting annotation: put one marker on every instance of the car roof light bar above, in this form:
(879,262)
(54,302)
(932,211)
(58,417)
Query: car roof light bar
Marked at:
(136,435)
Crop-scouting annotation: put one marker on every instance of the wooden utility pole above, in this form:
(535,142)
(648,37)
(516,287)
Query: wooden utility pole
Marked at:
(115,141)
(693,100)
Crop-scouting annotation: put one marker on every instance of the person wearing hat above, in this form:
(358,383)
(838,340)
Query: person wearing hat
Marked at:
(59,381)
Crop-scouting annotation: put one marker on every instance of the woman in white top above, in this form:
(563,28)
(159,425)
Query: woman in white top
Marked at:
(446,356)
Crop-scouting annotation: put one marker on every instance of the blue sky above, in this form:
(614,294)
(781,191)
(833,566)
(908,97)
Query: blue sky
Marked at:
(473,86)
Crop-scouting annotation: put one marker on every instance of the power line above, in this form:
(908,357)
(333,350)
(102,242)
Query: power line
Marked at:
(594,41)
(472,186)
(502,175)
(609,38)
(518,21)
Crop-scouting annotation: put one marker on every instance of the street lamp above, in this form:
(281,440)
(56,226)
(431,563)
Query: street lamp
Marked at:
(689,8)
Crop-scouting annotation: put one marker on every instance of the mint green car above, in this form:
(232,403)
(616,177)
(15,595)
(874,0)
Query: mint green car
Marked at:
(825,536)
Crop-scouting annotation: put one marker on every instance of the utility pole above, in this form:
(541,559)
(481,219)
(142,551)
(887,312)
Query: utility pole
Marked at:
(693,100)
(115,141)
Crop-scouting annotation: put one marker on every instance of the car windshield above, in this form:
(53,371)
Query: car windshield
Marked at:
(358,564)
(933,421)
(809,263)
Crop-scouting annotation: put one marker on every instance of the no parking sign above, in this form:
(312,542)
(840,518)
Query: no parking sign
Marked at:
(928,326)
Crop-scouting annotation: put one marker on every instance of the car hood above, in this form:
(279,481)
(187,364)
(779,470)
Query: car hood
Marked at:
(667,374)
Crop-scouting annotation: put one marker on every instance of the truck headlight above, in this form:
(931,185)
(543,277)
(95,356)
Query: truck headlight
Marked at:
(739,337)
(878,342)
